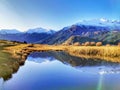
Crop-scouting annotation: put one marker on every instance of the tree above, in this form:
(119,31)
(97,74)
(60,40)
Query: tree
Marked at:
(25,42)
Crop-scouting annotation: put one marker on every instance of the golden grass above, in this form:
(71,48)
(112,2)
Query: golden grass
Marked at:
(104,52)
(110,53)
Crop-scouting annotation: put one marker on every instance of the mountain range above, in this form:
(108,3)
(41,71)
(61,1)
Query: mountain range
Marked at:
(30,36)
(107,31)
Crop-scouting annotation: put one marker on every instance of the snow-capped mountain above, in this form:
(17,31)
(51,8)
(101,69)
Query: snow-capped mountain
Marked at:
(100,22)
(51,31)
(30,36)
(107,31)
(40,30)
(104,30)
(9,31)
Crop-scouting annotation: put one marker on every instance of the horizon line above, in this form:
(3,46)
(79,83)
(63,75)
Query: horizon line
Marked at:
(48,29)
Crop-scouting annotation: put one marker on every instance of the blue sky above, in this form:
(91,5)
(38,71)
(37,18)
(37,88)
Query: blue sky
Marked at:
(54,14)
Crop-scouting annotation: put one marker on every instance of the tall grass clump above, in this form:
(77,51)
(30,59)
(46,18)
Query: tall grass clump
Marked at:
(119,44)
(87,44)
(99,44)
(92,43)
(103,51)
(76,44)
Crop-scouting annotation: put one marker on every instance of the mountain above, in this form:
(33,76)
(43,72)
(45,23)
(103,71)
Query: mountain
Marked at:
(82,30)
(112,37)
(30,36)
(107,31)
(101,22)
(100,30)
(21,37)
(80,39)
(40,30)
(10,31)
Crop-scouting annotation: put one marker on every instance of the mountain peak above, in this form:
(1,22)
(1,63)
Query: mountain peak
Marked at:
(40,30)
(100,22)
(9,31)
(103,20)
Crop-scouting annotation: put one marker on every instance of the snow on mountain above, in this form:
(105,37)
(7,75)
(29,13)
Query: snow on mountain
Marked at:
(51,31)
(100,22)
(30,31)
(40,30)
(9,31)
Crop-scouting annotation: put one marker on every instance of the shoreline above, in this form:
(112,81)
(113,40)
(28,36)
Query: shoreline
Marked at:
(108,53)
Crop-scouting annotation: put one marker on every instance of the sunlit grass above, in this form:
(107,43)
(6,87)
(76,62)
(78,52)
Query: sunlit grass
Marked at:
(105,52)
(108,51)
(8,64)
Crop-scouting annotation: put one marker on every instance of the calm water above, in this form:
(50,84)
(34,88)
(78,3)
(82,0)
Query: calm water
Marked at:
(60,71)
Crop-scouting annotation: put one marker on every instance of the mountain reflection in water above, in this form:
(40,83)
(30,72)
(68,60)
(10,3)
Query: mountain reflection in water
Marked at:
(85,65)
(55,70)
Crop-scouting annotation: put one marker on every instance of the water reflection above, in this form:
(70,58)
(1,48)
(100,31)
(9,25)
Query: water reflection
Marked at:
(72,60)
(84,65)
(60,71)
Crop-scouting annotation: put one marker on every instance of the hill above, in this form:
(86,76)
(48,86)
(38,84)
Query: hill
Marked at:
(80,39)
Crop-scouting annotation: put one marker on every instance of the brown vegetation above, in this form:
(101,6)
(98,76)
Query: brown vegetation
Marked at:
(30,45)
(94,51)
(99,44)
(83,44)
(108,45)
(119,44)
(92,43)
(87,44)
(76,44)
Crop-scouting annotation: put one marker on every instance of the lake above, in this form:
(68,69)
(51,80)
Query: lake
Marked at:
(61,71)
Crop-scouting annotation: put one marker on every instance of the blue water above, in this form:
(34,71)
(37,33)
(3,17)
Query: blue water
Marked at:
(54,71)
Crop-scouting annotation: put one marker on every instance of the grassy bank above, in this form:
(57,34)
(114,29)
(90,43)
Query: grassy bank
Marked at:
(110,53)
(103,52)
(107,51)
(8,64)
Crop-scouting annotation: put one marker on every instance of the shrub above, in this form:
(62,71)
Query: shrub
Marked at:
(76,44)
(99,44)
(25,42)
(30,45)
(108,45)
(87,43)
(82,44)
(56,44)
(65,44)
(119,44)
(92,43)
